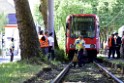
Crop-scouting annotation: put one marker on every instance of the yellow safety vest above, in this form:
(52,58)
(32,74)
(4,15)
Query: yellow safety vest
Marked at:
(79,44)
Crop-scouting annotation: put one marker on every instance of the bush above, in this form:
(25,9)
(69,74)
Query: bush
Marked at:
(60,55)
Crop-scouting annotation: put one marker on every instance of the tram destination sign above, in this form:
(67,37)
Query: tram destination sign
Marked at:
(83,19)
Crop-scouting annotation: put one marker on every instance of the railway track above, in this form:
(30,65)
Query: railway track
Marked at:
(89,73)
(110,74)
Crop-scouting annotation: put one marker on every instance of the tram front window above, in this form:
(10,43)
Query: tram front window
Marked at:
(83,26)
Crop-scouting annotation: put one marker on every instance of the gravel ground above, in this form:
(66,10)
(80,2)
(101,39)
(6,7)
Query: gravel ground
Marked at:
(46,76)
(115,71)
(89,73)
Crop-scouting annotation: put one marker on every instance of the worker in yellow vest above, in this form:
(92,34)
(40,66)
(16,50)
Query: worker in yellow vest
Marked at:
(79,47)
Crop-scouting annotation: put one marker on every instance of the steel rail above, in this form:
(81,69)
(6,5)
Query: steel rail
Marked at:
(61,74)
(109,73)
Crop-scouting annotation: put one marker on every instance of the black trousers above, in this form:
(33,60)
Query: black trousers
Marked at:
(111,51)
(80,58)
(51,51)
(12,55)
(117,50)
(75,63)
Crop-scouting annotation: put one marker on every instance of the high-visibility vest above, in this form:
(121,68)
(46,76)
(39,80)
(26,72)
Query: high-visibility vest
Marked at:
(79,44)
(110,41)
(44,43)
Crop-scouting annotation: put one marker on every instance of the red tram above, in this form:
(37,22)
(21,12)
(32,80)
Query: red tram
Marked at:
(86,25)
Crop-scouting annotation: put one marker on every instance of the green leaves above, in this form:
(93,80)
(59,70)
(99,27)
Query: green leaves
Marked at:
(3,21)
(110,12)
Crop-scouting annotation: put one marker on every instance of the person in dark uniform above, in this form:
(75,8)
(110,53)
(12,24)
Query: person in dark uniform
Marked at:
(11,48)
(117,45)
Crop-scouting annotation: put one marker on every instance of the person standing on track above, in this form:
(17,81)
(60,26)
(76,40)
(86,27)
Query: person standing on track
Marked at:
(79,46)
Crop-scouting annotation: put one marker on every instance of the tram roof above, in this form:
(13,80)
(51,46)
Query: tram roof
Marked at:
(94,15)
(84,15)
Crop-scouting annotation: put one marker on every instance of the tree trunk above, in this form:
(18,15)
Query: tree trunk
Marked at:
(43,9)
(29,43)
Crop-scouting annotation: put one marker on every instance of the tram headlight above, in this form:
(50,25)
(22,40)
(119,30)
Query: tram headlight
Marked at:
(72,46)
(92,46)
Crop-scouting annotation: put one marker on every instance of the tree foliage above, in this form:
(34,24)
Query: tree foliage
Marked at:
(3,21)
(37,16)
(110,13)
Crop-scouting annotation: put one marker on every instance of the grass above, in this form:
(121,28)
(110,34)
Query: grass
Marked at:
(121,62)
(17,72)
(115,61)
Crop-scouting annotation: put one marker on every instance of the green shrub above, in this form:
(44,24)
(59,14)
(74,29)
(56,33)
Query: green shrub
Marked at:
(60,55)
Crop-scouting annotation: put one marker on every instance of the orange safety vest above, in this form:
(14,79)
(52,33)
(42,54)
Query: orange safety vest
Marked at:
(110,42)
(44,43)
